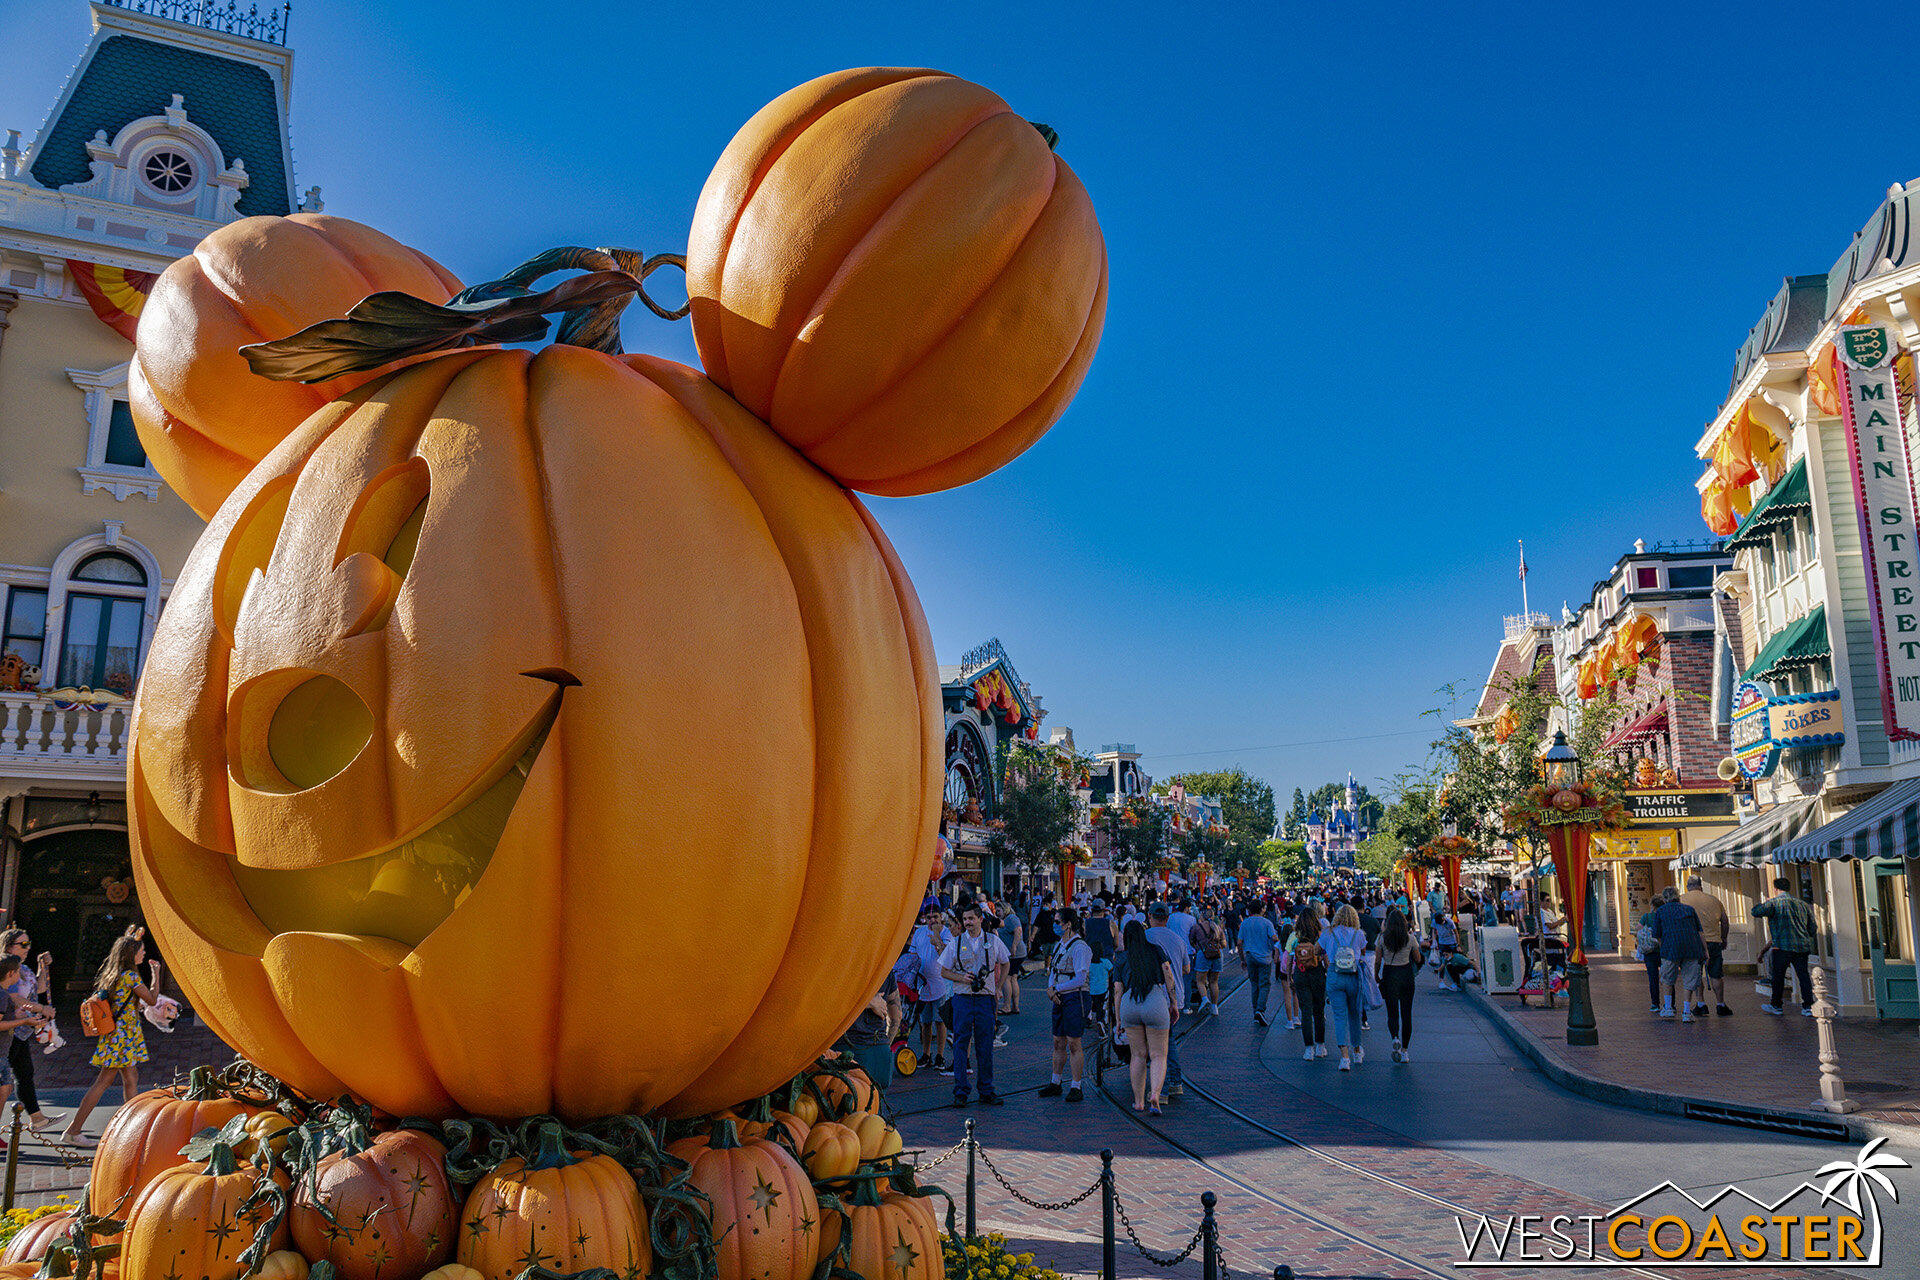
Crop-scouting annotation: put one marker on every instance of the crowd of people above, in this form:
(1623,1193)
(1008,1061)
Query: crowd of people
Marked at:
(1130,967)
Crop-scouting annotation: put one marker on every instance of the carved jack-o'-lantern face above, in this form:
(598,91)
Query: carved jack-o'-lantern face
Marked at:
(542,663)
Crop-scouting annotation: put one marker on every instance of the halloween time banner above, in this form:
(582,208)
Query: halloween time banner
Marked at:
(116,294)
(1883,484)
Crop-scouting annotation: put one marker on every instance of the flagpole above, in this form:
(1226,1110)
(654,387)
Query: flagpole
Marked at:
(1525,611)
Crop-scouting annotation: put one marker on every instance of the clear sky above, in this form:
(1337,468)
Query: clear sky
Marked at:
(1392,287)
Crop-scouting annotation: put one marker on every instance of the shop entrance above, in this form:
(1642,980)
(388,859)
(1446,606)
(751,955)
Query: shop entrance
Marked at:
(75,895)
(1896,993)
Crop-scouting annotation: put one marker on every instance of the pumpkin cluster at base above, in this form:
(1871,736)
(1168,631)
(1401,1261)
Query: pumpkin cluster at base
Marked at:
(803,1183)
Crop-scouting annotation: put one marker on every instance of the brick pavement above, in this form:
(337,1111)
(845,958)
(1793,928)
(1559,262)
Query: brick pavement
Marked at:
(1750,1059)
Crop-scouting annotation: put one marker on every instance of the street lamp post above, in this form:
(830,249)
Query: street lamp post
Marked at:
(1570,841)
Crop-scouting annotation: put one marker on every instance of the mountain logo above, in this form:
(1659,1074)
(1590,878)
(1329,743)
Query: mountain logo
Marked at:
(1835,1224)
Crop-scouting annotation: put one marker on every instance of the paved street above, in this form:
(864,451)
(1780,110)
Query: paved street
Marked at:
(1380,1158)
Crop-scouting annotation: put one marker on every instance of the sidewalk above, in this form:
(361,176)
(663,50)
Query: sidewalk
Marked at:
(1750,1059)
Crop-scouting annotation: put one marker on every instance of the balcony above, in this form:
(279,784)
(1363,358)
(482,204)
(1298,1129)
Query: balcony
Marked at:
(81,744)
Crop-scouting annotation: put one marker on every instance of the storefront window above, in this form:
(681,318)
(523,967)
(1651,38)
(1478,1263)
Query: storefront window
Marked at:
(102,649)
(1789,552)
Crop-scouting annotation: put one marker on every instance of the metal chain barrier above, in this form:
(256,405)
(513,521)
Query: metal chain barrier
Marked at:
(1173,1260)
(942,1158)
(1014,1191)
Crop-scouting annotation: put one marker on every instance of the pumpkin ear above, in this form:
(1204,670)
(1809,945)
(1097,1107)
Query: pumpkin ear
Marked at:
(386,517)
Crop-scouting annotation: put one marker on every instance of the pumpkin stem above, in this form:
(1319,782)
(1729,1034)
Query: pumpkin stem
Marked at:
(553,1153)
(1047,131)
(725,1136)
(220,1161)
(202,1087)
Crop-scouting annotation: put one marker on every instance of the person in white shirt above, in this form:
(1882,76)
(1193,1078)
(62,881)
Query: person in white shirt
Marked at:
(975,962)
(1068,970)
(930,988)
(1181,920)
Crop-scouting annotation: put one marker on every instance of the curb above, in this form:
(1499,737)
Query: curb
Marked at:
(1673,1104)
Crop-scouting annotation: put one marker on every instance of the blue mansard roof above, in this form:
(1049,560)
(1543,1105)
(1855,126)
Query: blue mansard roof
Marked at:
(129,78)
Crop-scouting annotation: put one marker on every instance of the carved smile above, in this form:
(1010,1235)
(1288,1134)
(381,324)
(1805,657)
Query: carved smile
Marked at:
(406,892)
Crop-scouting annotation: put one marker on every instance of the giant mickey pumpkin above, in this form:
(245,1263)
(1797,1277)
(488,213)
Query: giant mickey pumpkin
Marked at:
(895,271)
(559,657)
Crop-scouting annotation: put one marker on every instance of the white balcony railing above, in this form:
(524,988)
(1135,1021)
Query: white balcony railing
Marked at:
(40,739)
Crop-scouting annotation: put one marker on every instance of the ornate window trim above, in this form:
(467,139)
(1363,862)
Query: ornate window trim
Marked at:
(60,585)
(102,388)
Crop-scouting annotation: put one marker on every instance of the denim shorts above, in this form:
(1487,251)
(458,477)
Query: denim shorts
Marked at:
(1204,964)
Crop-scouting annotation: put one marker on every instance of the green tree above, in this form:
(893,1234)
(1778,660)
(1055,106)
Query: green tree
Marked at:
(1202,841)
(1036,809)
(1295,825)
(1246,805)
(1377,855)
(1144,837)
(1285,860)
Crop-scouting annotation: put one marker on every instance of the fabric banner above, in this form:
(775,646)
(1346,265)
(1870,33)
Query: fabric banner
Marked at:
(1883,484)
(116,294)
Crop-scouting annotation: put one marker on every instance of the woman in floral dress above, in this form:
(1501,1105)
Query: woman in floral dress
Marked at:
(121,1052)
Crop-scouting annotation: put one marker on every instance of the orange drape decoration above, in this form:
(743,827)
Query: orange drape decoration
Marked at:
(1066,882)
(1450,868)
(1200,880)
(1166,879)
(1588,685)
(116,294)
(1733,454)
(1823,381)
(1570,843)
(1416,882)
(1716,508)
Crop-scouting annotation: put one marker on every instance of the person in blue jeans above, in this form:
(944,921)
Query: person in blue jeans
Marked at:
(1173,944)
(975,962)
(1259,941)
(1346,946)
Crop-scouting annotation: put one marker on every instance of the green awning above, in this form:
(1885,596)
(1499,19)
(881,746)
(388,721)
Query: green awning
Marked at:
(1780,505)
(1798,644)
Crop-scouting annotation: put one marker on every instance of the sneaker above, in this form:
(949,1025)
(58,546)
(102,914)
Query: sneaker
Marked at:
(1773,1009)
(79,1140)
(1364,1024)
(1686,1015)
(944,1068)
(1396,1051)
(1074,1094)
(992,1100)
(1666,1013)
(1806,1013)
(1260,1019)
(1359,1056)
(1723,1011)
(40,1123)
(959,1100)
(1000,1042)
(1346,1064)
(1210,1007)
(1653,1008)
(1308,1055)
(1406,1055)
(1320,1050)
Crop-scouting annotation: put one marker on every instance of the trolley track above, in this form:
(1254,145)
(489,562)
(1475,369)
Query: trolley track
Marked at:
(1292,1206)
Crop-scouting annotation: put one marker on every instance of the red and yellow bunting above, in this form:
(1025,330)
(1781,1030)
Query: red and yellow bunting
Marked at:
(116,294)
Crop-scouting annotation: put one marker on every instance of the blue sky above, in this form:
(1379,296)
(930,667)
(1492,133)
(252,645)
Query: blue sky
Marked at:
(1392,287)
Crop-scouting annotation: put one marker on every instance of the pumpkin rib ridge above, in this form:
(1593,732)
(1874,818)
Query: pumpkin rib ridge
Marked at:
(934,155)
(961,315)
(913,483)
(781,143)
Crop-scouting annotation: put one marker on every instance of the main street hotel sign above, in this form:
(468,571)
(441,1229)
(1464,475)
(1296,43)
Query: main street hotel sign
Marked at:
(1883,484)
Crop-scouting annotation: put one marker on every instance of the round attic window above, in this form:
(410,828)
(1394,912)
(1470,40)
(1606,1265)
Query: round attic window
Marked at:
(168,172)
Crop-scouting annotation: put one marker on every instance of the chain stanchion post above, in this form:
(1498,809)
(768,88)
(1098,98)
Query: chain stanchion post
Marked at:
(972,1147)
(1109,1265)
(1209,1239)
(13,1157)
(1283,1272)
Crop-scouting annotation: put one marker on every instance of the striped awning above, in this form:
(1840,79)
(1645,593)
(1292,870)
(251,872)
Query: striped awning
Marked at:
(1887,826)
(1798,644)
(1751,845)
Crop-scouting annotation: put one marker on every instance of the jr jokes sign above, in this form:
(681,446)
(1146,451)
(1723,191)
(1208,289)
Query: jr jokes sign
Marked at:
(1884,486)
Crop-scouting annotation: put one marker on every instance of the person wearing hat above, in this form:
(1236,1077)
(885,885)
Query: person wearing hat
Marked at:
(930,938)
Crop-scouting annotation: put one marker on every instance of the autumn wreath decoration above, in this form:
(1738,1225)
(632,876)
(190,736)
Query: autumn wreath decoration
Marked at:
(1598,800)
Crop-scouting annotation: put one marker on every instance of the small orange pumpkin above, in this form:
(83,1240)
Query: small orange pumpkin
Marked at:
(189,1220)
(203,415)
(144,1137)
(832,1150)
(878,1139)
(898,275)
(563,1211)
(857,1086)
(453,1271)
(766,1218)
(893,1236)
(393,1208)
(282,1264)
(29,1243)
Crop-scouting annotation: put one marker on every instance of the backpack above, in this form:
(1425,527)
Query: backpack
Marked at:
(1346,959)
(98,1015)
(1646,939)
(1308,955)
(1214,943)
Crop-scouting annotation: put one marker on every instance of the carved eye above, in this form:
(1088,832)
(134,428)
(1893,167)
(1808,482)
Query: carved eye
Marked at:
(249,549)
(385,520)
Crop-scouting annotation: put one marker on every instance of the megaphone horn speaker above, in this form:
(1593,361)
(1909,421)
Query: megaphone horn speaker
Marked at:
(1728,770)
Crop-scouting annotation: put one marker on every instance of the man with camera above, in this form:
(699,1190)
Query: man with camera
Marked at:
(975,962)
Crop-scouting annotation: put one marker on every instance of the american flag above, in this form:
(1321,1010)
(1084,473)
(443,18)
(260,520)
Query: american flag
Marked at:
(1523,560)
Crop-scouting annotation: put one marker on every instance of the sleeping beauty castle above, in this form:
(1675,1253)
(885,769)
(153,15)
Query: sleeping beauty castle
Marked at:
(1332,837)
